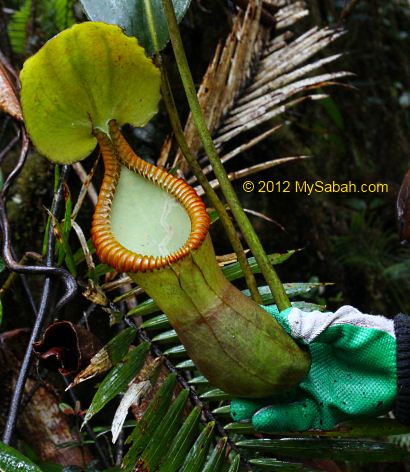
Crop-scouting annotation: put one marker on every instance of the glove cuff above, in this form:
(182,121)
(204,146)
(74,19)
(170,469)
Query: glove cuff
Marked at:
(402,332)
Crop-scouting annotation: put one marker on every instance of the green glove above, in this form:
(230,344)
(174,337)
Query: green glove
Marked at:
(353,372)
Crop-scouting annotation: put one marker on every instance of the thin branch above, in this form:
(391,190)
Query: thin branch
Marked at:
(11,278)
(87,186)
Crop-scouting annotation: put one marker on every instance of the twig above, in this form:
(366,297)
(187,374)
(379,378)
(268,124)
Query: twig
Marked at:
(264,217)
(244,224)
(43,307)
(10,279)
(87,186)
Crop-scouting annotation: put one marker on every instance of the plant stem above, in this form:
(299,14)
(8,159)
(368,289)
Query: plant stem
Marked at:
(244,224)
(209,191)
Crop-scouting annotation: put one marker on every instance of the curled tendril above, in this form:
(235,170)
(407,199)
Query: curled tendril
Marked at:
(116,151)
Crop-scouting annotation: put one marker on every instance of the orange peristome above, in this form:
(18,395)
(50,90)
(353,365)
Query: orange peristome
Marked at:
(116,152)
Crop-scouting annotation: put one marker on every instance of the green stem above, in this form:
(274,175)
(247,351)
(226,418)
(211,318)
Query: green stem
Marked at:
(209,191)
(244,224)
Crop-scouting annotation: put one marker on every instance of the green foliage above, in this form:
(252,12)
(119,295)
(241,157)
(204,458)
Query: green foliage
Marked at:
(335,449)
(197,455)
(117,379)
(180,446)
(162,438)
(18,28)
(140,18)
(12,460)
(117,348)
(52,16)
(63,11)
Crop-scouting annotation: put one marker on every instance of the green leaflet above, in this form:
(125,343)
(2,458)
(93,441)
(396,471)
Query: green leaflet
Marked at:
(144,19)
(215,395)
(182,442)
(235,464)
(148,424)
(197,455)
(335,449)
(18,28)
(79,80)
(117,379)
(107,356)
(216,460)
(13,461)
(273,464)
(118,346)
(233,271)
(163,435)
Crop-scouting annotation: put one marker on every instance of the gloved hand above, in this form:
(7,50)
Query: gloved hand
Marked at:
(353,372)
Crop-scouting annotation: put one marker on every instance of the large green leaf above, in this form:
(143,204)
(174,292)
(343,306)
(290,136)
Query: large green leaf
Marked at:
(144,19)
(13,461)
(80,80)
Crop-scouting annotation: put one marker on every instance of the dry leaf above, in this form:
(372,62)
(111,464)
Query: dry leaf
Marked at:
(9,103)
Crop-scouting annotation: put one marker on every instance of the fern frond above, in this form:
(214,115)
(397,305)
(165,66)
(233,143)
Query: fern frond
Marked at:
(18,27)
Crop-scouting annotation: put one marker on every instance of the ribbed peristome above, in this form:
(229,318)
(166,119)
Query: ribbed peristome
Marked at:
(116,152)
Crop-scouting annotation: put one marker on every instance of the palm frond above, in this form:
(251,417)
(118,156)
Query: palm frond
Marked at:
(254,78)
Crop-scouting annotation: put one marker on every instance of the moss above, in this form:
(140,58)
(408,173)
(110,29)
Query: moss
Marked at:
(26,201)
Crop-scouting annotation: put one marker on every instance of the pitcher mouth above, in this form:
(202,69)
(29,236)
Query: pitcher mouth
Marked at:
(117,153)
